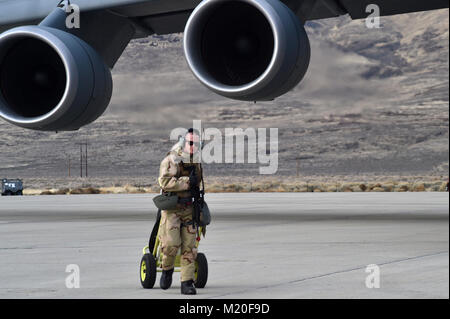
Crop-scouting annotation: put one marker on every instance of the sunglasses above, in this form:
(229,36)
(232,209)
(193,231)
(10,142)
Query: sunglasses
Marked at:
(191,143)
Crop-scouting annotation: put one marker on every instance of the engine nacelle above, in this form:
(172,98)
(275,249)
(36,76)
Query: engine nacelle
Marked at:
(51,80)
(251,50)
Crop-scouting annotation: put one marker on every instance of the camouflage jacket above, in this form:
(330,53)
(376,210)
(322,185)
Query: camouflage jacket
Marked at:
(174,173)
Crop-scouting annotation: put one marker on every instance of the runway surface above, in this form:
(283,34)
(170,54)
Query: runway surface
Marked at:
(259,245)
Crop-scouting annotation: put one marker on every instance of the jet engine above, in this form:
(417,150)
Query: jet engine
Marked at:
(251,50)
(51,79)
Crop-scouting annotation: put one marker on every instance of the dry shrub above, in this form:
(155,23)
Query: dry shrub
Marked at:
(435,187)
(111,190)
(419,188)
(29,192)
(277,190)
(372,186)
(135,190)
(84,191)
(75,191)
(246,188)
(104,191)
(257,187)
(232,188)
(151,189)
(128,187)
(92,190)
(254,185)
(62,191)
(346,188)
(428,185)
(213,188)
(331,189)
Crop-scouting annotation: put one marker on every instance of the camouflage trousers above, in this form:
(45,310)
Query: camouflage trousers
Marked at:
(173,237)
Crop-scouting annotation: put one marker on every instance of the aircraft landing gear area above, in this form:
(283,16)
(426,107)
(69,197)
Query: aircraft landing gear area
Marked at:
(151,261)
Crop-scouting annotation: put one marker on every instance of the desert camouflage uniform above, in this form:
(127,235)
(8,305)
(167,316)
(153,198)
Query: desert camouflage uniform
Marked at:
(173,177)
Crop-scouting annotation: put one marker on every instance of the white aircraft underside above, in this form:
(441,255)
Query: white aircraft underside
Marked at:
(54,76)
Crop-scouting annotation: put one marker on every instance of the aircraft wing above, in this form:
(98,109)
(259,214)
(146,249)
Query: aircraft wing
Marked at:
(320,9)
(19,12)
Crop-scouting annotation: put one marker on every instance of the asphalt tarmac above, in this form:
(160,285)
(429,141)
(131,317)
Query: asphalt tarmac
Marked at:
(259,245)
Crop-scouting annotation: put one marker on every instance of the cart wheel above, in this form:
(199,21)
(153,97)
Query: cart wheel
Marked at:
(201,271)
(147,271)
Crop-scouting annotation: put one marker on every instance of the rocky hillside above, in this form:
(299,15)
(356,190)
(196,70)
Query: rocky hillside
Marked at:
(374,102)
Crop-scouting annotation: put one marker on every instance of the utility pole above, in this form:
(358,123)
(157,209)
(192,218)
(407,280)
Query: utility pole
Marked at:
(83,158)
(86,158)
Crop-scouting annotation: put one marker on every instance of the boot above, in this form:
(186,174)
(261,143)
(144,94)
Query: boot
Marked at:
(187,288)
(166,279)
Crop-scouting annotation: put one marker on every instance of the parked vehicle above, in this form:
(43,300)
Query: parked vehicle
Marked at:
(12,187)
